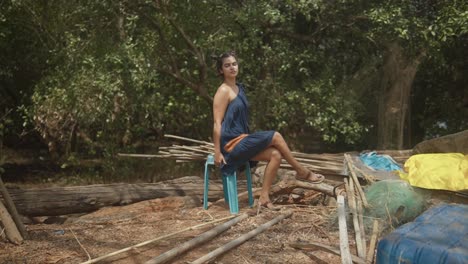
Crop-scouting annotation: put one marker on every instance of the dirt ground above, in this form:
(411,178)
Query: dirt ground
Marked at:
(107,230)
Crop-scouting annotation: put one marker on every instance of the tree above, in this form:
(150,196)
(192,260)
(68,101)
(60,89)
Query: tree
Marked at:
(410,31)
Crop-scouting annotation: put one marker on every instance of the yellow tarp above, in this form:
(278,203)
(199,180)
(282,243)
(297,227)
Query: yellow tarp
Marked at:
(446,171)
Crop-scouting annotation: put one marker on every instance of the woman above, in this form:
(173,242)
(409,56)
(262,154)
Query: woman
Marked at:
(234,144)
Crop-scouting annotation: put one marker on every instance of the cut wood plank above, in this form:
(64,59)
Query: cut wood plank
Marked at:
(360,214)
(373,242)
(344,244)
(171,254)
(320,246)
(353,211)
(236,242)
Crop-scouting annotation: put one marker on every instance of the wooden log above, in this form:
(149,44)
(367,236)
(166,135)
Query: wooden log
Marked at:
(316,245)
(95,260)
(11,230)
(344,244)
(171,254)
(81,199)
(12,209)
(236,242)
(289,183)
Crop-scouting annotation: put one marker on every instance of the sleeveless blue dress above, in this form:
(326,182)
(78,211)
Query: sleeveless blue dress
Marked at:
(234,124)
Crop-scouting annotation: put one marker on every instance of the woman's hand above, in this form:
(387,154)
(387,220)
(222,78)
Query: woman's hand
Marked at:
(219,159)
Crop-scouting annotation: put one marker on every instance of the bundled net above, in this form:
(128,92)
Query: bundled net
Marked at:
(393,202)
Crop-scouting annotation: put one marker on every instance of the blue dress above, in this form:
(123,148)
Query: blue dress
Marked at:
(234,124)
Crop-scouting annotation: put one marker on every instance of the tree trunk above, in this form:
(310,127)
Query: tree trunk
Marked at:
(80,199)
(395,89)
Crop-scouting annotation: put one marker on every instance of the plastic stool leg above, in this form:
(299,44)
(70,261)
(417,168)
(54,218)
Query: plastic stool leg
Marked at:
(225,189)
(249,184)
(205,187)
(231,183)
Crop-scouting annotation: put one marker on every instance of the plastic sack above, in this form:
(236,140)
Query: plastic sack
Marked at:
(444,171)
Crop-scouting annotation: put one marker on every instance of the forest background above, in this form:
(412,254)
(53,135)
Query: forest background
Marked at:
(85,80)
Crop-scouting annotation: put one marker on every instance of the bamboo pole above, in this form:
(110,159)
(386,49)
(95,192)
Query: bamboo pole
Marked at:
(375,233)
(344,244)
(189,139)
(154,240)
(142,155)
(356,181)
(234,243)
(169,255)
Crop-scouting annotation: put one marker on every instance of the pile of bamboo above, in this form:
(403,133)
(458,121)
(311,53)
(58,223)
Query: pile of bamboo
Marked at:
(198,150)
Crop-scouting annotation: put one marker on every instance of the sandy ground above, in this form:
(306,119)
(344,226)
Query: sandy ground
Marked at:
(90,236)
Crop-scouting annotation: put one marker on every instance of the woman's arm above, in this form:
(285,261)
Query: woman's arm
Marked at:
(220,103)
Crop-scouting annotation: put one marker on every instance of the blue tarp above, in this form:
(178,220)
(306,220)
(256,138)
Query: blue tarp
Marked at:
(379,162)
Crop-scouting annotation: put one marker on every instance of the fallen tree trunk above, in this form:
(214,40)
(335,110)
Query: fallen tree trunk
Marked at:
(81,199)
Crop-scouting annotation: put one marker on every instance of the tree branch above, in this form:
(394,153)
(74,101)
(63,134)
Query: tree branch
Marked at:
(196,51)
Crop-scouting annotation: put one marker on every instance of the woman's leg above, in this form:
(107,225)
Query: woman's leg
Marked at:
(273,157)
(280,144)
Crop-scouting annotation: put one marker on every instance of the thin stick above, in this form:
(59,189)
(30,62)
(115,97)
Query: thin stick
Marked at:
(375,233)
(154,240)
(344,244)
(141,155)
(171,254)
(316,245)
(189,139)
(353,175)
(89,256)
(234,243)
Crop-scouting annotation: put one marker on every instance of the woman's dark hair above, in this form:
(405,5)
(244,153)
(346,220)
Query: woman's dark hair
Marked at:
(219,59)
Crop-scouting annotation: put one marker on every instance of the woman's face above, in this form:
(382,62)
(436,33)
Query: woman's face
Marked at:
(230,68)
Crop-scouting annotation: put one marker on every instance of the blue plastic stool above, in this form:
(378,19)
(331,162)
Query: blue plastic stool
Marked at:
(229,186)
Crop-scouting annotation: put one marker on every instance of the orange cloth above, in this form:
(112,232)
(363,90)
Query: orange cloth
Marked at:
(233,142)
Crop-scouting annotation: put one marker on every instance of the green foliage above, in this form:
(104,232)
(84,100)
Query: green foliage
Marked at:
(419,24)
(105,75)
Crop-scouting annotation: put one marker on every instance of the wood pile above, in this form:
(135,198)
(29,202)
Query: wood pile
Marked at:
(326,163)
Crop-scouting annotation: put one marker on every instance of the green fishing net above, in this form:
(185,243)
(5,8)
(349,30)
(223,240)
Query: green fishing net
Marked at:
(393,202)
